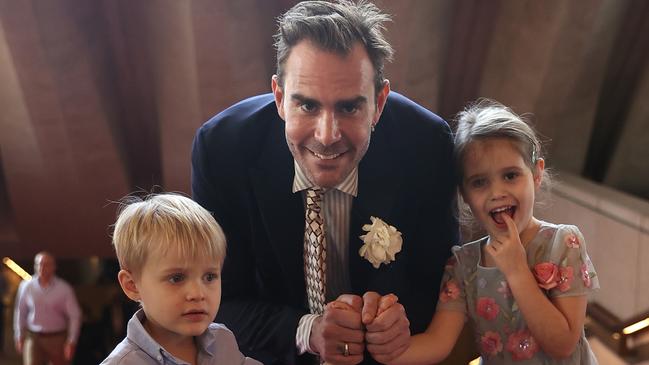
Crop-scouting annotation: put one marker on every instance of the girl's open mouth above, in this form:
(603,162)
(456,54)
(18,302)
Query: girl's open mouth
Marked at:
(497,214)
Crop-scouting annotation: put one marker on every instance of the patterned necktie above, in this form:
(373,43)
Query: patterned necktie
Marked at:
(315,251)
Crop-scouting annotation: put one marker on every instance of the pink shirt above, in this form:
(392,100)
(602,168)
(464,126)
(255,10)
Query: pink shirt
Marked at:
(53,308)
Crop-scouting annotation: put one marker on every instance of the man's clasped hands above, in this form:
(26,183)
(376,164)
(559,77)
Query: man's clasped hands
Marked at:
(351,324)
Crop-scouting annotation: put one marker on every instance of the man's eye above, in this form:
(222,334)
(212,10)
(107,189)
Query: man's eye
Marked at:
(211,276)
(308,107)
(176,278)
(349,108)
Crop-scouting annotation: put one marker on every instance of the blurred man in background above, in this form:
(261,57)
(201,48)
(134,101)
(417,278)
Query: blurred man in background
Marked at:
(46,317)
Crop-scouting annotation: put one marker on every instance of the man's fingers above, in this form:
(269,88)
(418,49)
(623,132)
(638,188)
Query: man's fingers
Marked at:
(342,315)
(335,338)
(370,306)
(334,354)
(383,337)
(341,305)
(333,329)
(387,319)
(342,335)
(354,301)
(390,342)
(386,302)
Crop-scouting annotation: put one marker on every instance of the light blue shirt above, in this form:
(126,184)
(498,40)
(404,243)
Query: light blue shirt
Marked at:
(216,345)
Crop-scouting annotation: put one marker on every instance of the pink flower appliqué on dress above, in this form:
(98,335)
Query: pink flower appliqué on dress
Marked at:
(572,241)
(490,343)
(487,308)
(522,345)
(585,276)
(565,278)
(451,291)
(546,274)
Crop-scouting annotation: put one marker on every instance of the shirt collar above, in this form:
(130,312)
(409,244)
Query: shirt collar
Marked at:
(348,186)
(51,284)
(136,333)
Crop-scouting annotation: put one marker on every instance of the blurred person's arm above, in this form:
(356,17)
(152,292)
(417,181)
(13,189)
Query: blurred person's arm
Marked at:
(20,317)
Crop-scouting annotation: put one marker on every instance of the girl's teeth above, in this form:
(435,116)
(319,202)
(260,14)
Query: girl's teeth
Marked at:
(500,210)
(497,214)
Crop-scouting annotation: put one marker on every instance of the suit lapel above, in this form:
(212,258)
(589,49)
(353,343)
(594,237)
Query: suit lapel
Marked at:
(379,180)
(281,210)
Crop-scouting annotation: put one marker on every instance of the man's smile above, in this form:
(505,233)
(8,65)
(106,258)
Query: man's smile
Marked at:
(326,157)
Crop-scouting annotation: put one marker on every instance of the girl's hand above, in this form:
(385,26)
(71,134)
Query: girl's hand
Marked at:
(506,250)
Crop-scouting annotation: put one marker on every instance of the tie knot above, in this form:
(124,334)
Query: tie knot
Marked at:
(314,197)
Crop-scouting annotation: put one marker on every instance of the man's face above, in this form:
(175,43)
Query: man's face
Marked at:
(328,103)
(45,266)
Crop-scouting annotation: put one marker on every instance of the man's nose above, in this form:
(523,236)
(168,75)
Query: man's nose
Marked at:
(327,131)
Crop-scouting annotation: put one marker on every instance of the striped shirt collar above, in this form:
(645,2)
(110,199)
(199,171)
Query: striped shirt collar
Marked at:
(348,186)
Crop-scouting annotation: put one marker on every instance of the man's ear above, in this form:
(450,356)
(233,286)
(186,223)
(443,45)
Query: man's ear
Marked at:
(127,282)
(278,92)
(381,98)
(538,172)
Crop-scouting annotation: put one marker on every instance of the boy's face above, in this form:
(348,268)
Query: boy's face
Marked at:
(180,297)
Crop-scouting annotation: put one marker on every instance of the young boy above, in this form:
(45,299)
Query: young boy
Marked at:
(170,251)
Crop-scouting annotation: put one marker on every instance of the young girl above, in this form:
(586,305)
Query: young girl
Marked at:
(524,286)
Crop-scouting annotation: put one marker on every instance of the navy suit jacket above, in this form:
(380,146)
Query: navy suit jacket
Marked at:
(242,171)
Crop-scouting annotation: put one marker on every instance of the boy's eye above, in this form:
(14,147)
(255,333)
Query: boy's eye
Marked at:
(176,278)
(211,276)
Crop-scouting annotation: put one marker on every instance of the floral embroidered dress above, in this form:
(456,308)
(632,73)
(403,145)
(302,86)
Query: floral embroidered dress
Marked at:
(558,258)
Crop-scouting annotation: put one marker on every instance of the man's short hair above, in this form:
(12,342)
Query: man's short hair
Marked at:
(165,224)
(336,27)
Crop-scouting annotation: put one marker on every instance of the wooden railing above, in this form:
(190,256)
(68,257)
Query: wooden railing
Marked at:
(608,328)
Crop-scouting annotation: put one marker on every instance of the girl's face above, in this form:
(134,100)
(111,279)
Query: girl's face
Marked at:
(497,181)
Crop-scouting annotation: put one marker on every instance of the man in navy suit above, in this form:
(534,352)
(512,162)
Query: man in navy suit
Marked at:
(252,163)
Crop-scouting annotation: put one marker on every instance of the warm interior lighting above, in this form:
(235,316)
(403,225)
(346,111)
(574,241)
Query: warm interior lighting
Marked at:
(636,326)
(475,361)
(16,268)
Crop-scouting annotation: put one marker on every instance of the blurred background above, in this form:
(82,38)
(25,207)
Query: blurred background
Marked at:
(102,98)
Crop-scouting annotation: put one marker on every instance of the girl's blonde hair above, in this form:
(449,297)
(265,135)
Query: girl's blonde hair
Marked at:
(168,224)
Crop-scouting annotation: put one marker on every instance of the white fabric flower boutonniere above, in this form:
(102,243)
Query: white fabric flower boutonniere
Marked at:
(381,242)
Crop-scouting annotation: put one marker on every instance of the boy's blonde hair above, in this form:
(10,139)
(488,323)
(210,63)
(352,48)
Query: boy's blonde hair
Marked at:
(166,224)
